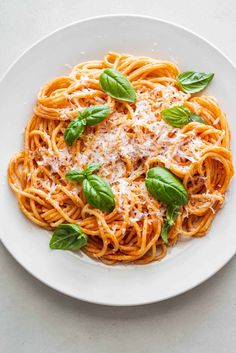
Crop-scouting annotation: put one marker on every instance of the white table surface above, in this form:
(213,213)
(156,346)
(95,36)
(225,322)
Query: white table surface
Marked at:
(34,318)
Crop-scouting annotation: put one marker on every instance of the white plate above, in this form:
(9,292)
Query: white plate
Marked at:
(189,263)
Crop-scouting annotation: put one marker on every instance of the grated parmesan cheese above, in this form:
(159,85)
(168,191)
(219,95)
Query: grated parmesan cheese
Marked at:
(53,161)
(118,138)
(215,122)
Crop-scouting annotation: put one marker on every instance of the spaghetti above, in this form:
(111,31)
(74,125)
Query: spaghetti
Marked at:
(131,140)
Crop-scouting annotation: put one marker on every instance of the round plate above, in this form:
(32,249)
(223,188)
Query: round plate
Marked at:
(186,265)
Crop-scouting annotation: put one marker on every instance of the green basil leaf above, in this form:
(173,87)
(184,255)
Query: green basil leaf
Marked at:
(196,118)
(117,85)
(164,232)
(166,187)
(98,193)
(91,168)
(96,190)
(94,114)
(171,216)
(68,237)
(193,82)
(177,116)
(73,131)
(77,175)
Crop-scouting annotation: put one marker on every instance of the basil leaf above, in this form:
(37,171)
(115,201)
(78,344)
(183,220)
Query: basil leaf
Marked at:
(73,131)
(166,187)
(94,114)
(177,116)
(196,118)
(171,216)
(117,85)
(91,168)
(98,193)
(79,175)
(96,190)
(193,82)
(76,175)
(87,117)
(68,237)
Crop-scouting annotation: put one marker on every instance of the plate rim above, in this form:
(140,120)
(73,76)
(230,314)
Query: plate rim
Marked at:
(2,78)
(92,18)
